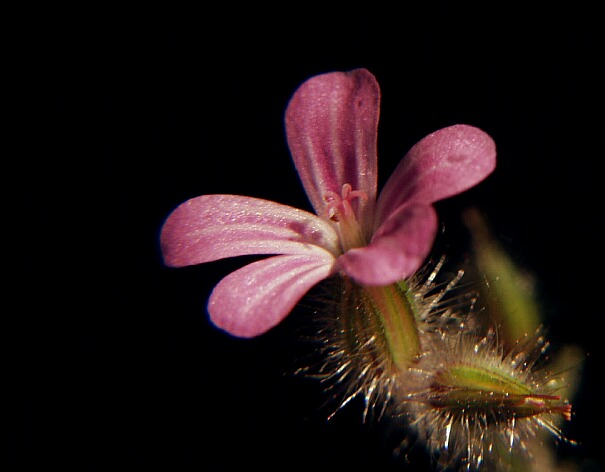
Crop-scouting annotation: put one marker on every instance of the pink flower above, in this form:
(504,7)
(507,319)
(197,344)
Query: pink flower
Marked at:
(331,127)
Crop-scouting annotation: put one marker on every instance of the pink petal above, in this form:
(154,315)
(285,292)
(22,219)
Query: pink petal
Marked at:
(441,165)
(213,227)
(331,126)
(255,298)
(398,249)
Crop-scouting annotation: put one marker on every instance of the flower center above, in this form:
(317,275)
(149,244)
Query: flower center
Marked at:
(340,211)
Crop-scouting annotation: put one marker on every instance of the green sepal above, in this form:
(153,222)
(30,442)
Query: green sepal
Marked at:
(496,395)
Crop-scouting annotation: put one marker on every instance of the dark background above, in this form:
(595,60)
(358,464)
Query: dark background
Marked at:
(112,362)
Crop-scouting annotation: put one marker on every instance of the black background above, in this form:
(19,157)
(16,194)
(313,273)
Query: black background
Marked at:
(113,364)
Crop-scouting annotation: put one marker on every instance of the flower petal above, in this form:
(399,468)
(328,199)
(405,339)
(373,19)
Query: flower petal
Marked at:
(253,299)
(443,164)
(213,227)
(398,249)
(331,126)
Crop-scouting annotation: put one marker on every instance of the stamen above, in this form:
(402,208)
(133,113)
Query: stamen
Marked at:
(339,206)
(340,210)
